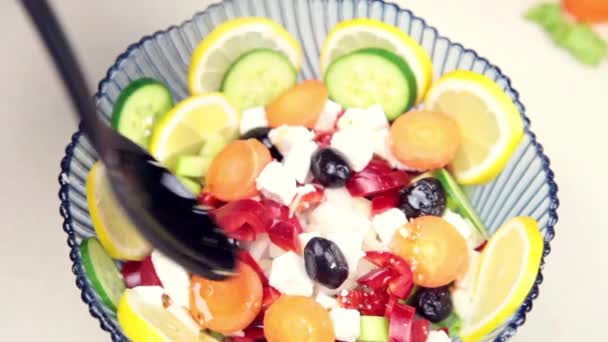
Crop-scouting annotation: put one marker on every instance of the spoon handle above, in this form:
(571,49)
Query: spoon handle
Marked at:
(50,31)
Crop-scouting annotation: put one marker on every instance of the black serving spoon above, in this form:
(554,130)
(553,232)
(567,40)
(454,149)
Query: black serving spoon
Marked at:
(161,208)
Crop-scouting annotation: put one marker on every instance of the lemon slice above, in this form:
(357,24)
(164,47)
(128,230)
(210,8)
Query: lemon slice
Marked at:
(230,40)
(490,124)
(507,271)
(361,33)
(115,232)
(185,129)
(143,318)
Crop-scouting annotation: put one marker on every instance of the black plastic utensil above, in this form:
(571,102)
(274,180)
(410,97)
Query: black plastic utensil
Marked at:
(161,208)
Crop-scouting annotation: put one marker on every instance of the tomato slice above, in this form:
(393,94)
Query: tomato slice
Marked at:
(230,305)
(234,170)
(425,140)
(298,319)
(435,249)
(299,106)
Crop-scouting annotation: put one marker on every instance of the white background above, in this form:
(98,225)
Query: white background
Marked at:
(567,102)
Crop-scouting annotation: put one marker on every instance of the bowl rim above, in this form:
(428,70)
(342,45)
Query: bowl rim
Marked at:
(105,319)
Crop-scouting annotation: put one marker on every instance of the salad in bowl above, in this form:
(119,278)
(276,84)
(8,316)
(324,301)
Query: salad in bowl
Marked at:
(347,193)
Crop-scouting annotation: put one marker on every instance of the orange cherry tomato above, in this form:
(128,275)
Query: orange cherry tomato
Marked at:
(234,170)
(298,319)
(300,105)
(591,11)
(425,140)
(227,306)
(436,251)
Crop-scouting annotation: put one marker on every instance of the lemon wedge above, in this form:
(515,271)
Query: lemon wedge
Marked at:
(507,271)
(142,316)
(185,129)
(227,42)
(115,232)
(490,124)
(356,34)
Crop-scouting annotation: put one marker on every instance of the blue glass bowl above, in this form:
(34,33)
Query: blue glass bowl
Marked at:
(525,187)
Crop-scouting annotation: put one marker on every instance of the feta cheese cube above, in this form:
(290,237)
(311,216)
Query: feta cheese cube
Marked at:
(328,117)
(387,223)
(371,118)
(277,184)
(288,275)
(438,336)
(285,137)
(297,160)
(275,251)
(462,300)
(350,244)
(306,237)
(259,248)
(356,145)
(346,324)
(465,228)
(326,301)
(175,279)
(253,118)
(382,147)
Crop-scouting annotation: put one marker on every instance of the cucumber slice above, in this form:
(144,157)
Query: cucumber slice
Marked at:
(258,77)
(102,272)
(213,145)
(372,76)
(138,108)
(460,199)
(190,184)
(373,329)
(192,166)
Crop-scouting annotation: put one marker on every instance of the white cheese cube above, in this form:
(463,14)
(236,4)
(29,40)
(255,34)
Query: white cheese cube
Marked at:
(371,118)
(326,301)
(350,244)
(275,251)
(387,223)
(306,237)
(258,249)
(175,279)
(288,275)
(465,228)
(356,145)
(297,161)
(285,137)
(328,117)
(253,118)
(462,300)
(438,336)
(346,324)
(152,295)
(277,184)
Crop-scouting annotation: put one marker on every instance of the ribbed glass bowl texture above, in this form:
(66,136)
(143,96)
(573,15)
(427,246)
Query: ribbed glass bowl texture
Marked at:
(525,187)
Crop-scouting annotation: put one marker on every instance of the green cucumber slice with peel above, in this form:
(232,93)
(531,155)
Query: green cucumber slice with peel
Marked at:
(373,329)
(460,200)
(102,272)
(372,76)
(138,107)
(258,77)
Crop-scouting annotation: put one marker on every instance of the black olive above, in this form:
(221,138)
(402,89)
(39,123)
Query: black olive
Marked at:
(433,304)
(425,197)
(261,134)
(325,262)
(329,167)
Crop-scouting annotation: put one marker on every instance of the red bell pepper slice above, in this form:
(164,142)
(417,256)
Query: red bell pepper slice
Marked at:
(420,330)
(246,258)
(285,235)
(378,278)
(245,214)
(400,327)
(383,203)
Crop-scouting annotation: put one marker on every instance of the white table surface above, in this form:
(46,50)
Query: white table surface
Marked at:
(567,102)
